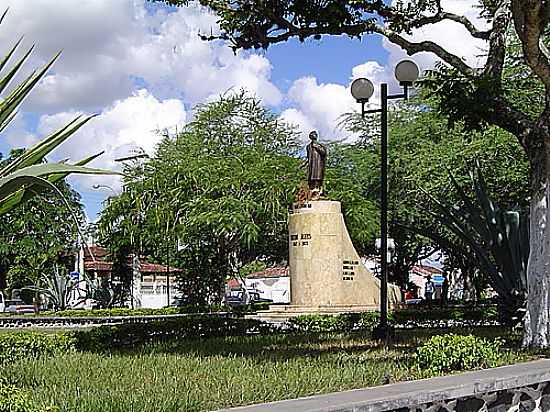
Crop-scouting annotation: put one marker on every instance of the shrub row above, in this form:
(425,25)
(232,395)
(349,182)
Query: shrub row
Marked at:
(346,322)
(20,345)
(451,352)
(445,317)
(134,334)
(404,318)
(99,313)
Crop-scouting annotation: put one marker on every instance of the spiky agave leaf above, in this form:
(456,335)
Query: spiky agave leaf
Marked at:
(18,94)
(34,175)
(497,238)
(36,153)
(22,178)
(26,193)
(58,288)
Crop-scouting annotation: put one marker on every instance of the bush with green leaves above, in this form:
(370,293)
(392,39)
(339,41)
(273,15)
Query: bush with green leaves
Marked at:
(14,399)
(402,318)
(434,317)
(346,322)
(130,335)
(100,313)
(446,353)
(20,345)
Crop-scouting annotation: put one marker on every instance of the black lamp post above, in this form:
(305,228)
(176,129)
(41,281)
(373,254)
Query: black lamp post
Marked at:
(406,72)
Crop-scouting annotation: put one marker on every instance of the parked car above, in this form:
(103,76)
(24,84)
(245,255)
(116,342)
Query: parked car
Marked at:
(238,298)
(234,299)
(18,306)
(2,302)
(181,301)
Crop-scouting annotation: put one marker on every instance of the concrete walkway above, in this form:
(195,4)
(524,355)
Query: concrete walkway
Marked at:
(404,394)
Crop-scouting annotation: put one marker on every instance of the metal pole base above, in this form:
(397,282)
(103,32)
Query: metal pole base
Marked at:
(383,332)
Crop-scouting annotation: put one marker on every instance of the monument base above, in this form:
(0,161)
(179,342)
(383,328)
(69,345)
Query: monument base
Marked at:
(282,313)
(326,273)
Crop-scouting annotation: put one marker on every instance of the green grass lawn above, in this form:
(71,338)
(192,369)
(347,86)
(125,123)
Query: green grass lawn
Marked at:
(222,372)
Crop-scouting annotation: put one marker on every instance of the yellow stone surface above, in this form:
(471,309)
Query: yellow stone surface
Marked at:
(326,273)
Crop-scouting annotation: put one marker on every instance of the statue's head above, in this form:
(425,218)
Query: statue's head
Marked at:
(313,136)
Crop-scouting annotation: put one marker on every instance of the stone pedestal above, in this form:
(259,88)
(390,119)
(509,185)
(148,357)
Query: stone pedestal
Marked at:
(326,273)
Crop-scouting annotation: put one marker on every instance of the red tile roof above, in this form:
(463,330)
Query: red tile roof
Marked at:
(98,266)
(101,264)
(427,270)
(97,251)
(234,284)
(273,272)
(144,267)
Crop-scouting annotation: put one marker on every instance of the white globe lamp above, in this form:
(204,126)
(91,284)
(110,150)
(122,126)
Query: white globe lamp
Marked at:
(406,72)
(362,90)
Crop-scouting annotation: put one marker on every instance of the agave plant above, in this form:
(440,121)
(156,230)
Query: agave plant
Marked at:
(498,239)
(100,293)
(28,175)
(59,289)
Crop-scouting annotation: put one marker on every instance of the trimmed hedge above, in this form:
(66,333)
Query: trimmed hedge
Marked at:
(404,318)
(446,353)
(100,313)
(135,334)
(445,317)
(346,322)
(18,345)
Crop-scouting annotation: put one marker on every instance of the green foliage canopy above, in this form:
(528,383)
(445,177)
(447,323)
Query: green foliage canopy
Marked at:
(38,233)
(222,188)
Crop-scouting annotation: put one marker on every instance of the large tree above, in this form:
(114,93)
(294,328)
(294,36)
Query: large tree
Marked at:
(222,187)
(475,94)
(37,234)
(423,151)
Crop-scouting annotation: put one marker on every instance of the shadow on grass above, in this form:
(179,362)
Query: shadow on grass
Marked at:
(275,347)
(281,347)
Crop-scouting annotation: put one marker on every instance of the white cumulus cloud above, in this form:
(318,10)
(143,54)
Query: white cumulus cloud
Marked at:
(452,36)
(320,106)
(128,124)
(110,46)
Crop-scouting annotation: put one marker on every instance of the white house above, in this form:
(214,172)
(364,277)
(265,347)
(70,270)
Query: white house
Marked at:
(272,283)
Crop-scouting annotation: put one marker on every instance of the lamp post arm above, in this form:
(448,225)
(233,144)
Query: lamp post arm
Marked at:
(398,96)
(371,111)
(404,95)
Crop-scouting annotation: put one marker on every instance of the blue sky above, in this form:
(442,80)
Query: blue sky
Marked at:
(329,60)
(142,68)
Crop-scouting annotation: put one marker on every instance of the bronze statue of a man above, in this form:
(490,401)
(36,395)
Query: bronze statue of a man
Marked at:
(316,157)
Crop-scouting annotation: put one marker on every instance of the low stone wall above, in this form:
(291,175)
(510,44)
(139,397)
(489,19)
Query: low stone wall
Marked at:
(32,321)
(523,387)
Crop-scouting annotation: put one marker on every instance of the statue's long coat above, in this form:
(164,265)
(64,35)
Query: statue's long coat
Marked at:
(316,155)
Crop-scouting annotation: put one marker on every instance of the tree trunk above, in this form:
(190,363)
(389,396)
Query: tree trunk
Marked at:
(537,328)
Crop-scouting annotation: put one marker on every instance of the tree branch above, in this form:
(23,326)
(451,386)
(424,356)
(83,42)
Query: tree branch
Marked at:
(279,28)
(427,46)
(497,42)
(443,15)
(501,113)
(530,19)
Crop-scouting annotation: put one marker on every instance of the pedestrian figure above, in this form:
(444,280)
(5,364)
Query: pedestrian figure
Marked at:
(445,291)
(429,289)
